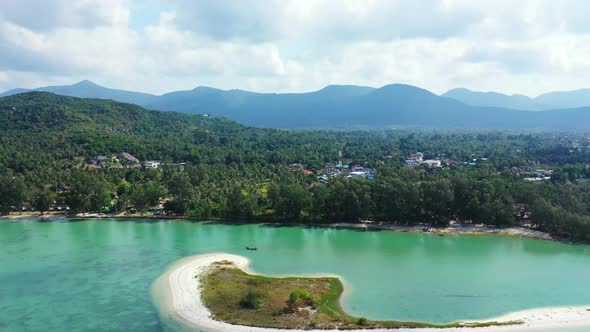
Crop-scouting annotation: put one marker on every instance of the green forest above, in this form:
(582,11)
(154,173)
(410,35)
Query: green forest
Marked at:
(212,167)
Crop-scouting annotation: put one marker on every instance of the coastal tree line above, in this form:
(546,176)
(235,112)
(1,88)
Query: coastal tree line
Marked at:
(398,195)
(236,172)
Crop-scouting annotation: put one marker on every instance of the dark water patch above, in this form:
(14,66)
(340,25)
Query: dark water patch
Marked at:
(464,296)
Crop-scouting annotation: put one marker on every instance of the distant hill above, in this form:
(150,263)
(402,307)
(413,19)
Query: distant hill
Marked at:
(41,131)
(338,106)
(565,99)
(41,111)
(87,89)
(493,99)
(547,101)
(395,105)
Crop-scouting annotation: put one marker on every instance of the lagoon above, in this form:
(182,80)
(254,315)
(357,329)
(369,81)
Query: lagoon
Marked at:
(96,274)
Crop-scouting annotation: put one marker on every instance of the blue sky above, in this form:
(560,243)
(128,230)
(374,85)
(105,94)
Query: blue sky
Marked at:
(147,12)
(526,46)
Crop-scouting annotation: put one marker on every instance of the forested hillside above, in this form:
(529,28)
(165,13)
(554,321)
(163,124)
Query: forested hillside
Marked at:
(92,155)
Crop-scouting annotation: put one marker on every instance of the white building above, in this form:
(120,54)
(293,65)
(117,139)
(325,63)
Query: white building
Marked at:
(151,164)
(412,162)
(358,174)
(432,163)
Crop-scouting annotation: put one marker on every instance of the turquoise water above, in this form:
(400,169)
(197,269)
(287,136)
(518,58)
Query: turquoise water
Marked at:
(95,275)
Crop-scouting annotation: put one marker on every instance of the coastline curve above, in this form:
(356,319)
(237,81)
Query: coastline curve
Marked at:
(177,291)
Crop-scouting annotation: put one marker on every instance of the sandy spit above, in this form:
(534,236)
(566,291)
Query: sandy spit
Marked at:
(179,298)
(461,230)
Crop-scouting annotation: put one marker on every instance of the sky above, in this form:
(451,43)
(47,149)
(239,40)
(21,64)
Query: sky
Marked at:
(157,46)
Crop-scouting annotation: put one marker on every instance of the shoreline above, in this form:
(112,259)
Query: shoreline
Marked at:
(178,292)
(515,231)
(462,230)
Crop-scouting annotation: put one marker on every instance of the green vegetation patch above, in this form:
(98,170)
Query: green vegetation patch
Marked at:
(236,297)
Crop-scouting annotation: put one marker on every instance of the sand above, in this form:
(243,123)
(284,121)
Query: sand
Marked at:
(459,229)
(180,299)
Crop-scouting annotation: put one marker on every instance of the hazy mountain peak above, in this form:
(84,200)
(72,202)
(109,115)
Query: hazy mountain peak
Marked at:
(86,83)
(458,90)
(201,88)
(336,87)
(335,90)
(492,99)
(401,86)
(547,101)
(404,89)
(565,99)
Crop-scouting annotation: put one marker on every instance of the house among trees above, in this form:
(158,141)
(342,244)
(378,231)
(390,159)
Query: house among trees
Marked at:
(129,157)
(357,168)
(432,163)
(151,164)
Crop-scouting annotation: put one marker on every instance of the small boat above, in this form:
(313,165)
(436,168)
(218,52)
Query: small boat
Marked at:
(251,248)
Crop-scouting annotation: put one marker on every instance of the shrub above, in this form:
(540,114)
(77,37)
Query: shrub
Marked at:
(300,296)
(252,300)
(361,321)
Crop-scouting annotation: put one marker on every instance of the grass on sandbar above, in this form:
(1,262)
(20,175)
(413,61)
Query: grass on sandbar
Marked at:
(236,297)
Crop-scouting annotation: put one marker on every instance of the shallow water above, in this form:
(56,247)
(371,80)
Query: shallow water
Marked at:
(95,275)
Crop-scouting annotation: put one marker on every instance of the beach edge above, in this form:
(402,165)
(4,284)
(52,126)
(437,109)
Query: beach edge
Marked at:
(177,295)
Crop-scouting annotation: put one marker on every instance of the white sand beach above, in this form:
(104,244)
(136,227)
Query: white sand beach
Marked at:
(182,301)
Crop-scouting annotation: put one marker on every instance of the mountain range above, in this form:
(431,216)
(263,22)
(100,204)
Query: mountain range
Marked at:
(546,101)
(346,106)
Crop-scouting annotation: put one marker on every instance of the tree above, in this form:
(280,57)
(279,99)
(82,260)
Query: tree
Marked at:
(182,191)
(437,199)
(252,300)
(87,193)
(318,203)
(396,200)
(147,194)
(42,199)
(123,188)
(12,192)
(350,200)
(300,297)
(99,198)
(289,201)
(240,203)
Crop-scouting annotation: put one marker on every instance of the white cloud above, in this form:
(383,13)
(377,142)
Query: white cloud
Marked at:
(271,20)
(528,46)
(43,15)
(151,59)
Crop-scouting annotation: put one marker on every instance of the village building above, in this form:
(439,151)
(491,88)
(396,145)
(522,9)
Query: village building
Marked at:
(129,157)
(357,168)
(151,164)
(432,163)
